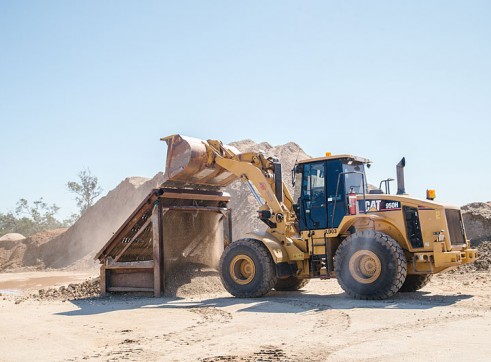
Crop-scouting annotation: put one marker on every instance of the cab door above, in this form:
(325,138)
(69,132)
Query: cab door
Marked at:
(313,201)
(336,195)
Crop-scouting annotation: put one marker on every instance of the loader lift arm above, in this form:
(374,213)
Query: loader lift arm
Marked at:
(220,165)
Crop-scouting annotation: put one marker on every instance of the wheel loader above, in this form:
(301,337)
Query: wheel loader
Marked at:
(375,243)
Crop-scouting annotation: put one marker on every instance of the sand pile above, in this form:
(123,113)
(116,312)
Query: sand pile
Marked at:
(12,237)
(97,225)
(477,221)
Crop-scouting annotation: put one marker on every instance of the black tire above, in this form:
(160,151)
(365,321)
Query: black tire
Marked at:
(415,282)
(291,283)
(247,269)
(370,265)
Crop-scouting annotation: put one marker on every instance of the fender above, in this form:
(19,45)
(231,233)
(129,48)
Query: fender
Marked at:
(278,251)
(377,222)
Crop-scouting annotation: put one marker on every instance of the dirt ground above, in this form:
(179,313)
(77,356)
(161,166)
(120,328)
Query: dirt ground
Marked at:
(448,319)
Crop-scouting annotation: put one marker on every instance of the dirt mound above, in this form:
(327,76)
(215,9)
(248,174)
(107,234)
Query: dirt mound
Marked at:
(477,221)
(24,253)
(192,279)
(244,206)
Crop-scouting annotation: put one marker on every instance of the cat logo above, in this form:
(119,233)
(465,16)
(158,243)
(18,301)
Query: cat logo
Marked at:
(372,205)
(382,205)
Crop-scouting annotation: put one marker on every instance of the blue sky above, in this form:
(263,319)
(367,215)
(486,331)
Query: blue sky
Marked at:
(97,83)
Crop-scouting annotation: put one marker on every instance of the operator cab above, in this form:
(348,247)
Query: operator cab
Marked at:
(322,186)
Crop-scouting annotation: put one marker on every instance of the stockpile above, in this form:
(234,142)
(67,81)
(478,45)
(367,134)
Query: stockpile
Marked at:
(477,220)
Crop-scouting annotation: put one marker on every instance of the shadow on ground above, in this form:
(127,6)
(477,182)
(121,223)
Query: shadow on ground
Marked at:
(274,302)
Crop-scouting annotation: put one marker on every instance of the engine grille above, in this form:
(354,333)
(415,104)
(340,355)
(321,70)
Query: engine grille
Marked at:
(455,226)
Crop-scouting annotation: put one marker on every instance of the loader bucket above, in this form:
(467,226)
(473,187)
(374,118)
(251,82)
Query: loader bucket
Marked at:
(188,163)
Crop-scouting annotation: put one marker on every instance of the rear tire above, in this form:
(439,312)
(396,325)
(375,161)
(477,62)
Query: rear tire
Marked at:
(247,269)
(370,265)
(291,283)
(415,282)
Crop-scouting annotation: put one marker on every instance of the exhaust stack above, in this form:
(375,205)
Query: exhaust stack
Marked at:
(401,190)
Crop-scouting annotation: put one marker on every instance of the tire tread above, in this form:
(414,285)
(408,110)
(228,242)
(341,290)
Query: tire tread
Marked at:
(388,243)
(268,279)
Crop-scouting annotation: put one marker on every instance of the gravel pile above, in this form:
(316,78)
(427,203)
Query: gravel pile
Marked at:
(87,289)
(483,262)
(192,279)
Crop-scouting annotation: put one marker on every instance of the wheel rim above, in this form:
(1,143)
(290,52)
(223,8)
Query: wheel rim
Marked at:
(365,266)
(242,269)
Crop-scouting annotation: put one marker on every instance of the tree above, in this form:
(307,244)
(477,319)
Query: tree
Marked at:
(29,219)
(87,190)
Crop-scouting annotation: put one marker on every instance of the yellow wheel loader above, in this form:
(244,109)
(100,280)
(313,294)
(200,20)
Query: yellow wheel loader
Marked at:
(375,243)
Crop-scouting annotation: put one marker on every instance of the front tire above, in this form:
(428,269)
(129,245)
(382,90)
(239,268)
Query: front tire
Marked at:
(370,265)
(415,282)
(291,283)
(247,269)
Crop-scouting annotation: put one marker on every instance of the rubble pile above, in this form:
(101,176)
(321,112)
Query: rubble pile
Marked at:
(87,289)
